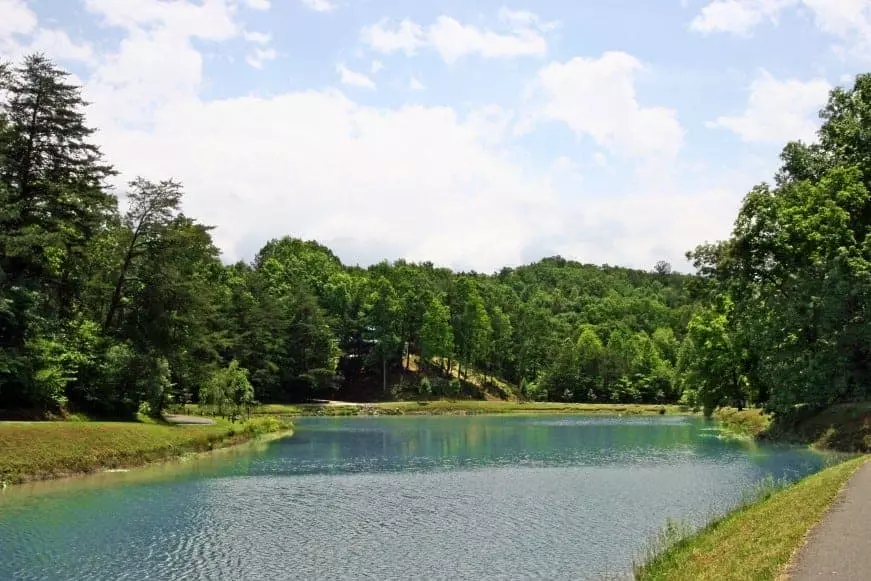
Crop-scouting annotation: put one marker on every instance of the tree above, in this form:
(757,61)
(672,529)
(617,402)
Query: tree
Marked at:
(662,268)
(104,311)
(471,324)
(795,268)
(591,358)
(228,387)
(152,208)
(383,317)
(715,370)
(436,335)
(52,202)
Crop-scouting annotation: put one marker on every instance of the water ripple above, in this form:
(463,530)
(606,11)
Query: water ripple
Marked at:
(398,498)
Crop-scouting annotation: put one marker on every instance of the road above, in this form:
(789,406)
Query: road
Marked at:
(840,546)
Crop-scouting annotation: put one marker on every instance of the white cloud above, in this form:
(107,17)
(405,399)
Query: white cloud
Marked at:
(523,35)
(21,34)
(415,85)
(155,62)
(521,20)
(600,159)
(353,78)
(258,4)
(18,18)
(778,111)
(210,20)
(847,20)
(261,53)
(259,56)
(386,182)
(737,16)
(377,66)
(395,163)
(453,40)
(320,5)
(841,17)
(596,98)
(258,37)
(385,37)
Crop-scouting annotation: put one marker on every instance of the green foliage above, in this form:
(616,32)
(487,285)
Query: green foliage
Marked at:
(228,391)
(436,334)
(425,387)
(789,291)
(108,312)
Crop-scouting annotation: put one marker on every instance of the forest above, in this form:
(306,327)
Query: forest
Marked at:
(114,303)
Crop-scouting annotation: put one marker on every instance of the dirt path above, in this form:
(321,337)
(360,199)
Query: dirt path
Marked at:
(332,402)
(188,420)
(840,546)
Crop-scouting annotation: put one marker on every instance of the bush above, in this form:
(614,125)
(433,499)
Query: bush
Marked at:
(260,426)
(228,388)
(425,387)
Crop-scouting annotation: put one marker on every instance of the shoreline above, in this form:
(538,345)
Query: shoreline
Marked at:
(842,427)
(98,458)
(169,467)
(465,408)
(755,540)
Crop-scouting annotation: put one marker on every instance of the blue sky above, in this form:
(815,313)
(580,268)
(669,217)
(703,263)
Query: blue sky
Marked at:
(473,134)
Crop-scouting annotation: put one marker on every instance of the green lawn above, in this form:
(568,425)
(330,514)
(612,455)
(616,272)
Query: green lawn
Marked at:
(754,542)
(41,450)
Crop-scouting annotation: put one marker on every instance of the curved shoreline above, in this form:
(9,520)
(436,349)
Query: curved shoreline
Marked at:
(121,461)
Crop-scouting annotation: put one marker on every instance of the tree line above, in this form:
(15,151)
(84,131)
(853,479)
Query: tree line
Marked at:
(118,308)
(784,318)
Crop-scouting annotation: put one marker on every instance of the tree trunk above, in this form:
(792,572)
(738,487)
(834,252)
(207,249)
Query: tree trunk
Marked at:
(384,372)
(119,284)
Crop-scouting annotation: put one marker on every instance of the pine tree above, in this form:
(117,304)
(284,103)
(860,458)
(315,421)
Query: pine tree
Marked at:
(53,200)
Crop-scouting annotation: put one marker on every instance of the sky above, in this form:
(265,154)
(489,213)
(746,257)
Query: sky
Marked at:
(473,134)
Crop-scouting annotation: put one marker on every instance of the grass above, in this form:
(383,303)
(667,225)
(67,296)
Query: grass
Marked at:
(460,407)
(43,450)
(746,422)
(754,542)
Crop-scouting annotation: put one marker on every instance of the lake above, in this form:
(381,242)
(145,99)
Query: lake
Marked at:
(475,497)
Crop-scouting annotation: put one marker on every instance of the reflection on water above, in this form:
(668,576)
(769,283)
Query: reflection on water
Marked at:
(480,497)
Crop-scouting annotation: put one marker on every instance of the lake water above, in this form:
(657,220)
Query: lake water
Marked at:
(480,497)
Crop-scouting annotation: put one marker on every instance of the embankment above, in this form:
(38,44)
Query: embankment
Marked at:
(756,541)
(842,427)
(44,450)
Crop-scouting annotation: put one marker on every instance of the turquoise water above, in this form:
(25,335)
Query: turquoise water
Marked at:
(480,497)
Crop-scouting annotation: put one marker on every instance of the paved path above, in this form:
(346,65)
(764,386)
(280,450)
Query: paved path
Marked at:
(840,546)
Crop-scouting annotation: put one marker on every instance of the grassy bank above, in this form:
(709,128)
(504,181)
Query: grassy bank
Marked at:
(43,450)
(757,540)
(843,427)
(460,407)
(751,423)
